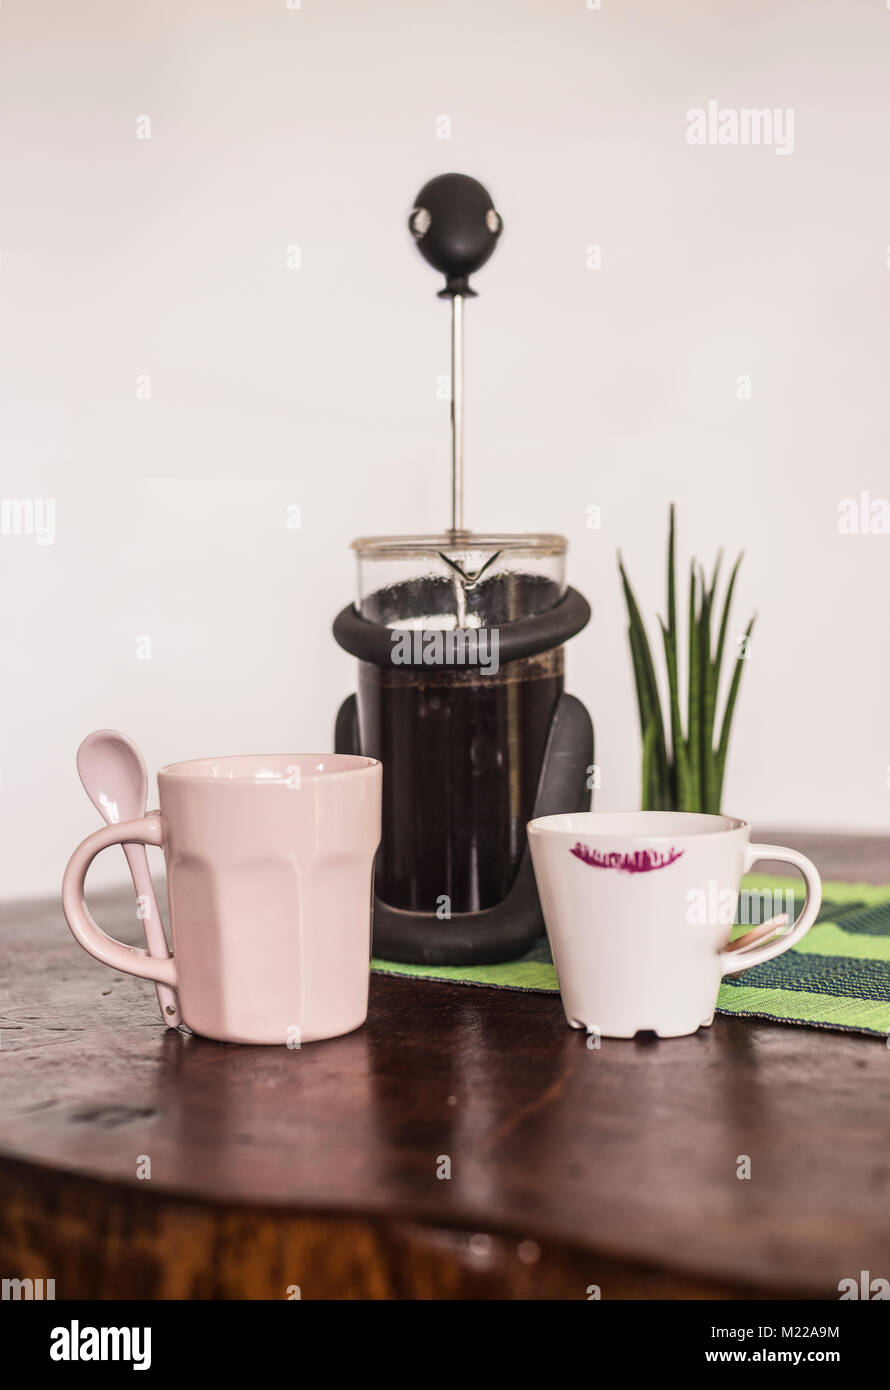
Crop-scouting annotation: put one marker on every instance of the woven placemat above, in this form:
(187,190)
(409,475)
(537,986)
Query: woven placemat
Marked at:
(837,977)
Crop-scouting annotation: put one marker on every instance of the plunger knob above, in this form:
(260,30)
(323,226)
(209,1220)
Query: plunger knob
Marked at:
(456,228)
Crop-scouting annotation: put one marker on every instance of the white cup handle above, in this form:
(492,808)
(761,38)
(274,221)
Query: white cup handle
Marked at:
(741,957)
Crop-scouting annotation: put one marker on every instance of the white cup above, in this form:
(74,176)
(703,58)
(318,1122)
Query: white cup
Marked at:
(639,906)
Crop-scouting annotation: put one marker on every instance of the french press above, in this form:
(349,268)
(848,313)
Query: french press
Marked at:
(459,638)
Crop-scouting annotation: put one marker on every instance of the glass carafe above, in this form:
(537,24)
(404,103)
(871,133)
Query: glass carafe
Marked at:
(462,745)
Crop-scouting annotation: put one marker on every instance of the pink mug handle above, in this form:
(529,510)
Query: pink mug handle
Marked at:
(131,959)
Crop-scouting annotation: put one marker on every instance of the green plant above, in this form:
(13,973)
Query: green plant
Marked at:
(685,772)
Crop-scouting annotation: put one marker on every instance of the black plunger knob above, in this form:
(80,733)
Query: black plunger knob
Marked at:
(456,229)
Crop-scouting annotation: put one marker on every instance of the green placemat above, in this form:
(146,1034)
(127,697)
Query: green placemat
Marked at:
(838,977)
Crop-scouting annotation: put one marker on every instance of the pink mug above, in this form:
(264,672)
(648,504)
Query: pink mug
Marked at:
(270,870)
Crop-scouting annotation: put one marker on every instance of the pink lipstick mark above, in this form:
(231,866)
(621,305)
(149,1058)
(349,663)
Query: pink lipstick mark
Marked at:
(642,861)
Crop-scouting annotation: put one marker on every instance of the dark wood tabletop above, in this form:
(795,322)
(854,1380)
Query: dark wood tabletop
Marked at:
(572,1169)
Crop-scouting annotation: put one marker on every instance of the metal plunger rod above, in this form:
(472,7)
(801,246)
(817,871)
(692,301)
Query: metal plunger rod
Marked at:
(457,412)
(456,228)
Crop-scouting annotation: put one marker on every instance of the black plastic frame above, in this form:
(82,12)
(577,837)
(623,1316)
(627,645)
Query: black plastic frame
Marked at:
(539,632)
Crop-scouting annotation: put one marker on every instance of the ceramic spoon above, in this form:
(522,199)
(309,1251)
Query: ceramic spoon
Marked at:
(113,774)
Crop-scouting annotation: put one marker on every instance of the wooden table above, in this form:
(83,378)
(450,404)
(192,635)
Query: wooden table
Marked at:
(569,1167)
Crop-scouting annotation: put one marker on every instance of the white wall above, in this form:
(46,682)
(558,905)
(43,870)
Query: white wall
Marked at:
(617,387)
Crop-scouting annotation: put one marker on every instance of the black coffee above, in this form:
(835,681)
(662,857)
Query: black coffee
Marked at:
(461,753)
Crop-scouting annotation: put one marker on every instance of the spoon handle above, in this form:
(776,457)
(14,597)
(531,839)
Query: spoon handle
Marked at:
(154,927)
